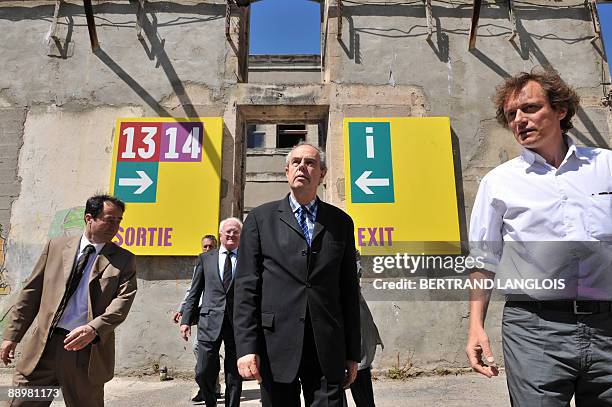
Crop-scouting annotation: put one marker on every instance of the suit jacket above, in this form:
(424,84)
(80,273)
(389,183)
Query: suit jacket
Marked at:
(112,288)
(207,285)
(279,278)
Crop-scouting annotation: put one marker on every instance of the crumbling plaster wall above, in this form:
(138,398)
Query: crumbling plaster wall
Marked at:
(57,134)
(386,47)
(63,112)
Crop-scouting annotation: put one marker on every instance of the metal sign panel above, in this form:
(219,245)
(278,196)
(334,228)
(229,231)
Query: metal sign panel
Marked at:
(168,172)
(401,185)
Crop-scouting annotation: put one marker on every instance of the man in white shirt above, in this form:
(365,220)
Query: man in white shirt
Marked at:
(546,214)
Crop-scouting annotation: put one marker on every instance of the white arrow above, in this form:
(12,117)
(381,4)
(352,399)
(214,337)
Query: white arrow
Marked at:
(143,182)
(364,182)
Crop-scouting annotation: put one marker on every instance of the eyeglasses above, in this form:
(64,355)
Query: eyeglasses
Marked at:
(232,233)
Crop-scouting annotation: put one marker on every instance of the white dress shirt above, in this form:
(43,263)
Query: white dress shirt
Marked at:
(527,200)
(222,254)
(311,214)
(75,314)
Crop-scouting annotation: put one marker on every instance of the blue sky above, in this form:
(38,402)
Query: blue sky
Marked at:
(285,27)
(605,19)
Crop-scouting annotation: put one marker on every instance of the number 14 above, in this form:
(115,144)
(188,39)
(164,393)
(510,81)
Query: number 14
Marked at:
(191,145)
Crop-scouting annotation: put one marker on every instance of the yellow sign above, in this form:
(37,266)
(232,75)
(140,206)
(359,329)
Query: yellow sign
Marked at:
(168,171)
(400,185)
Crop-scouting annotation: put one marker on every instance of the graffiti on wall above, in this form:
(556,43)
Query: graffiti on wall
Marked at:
(67,222)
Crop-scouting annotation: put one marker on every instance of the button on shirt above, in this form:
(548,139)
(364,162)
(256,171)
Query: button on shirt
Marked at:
(76,311)
(311,214)
(222,254)
(528,200)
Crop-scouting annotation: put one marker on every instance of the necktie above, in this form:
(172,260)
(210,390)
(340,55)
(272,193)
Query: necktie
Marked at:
(302,213)
(75,276)
(227,271)
(73,282)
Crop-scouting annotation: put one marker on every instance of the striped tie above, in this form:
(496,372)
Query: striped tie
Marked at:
(302,213)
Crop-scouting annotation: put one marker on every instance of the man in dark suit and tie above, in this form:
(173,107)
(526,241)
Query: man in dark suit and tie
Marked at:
(296,315)
(214,277)
(81,289)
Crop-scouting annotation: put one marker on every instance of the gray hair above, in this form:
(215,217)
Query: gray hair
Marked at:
(303,143)
(224,221)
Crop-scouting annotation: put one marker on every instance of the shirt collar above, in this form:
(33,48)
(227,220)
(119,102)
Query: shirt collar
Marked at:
(85,242)
(531,157)
(573,149)
(295,205)
(223,250)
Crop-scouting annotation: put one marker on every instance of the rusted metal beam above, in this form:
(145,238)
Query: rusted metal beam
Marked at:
(429,18)
(53,29)
(91,25)
(340,8)
(140,14)
(591,5)
(228,15)
(474,26)
(243,44)
(512,18)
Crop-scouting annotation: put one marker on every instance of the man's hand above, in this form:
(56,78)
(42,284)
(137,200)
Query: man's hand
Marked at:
(248,367)
(79,337)
(185,331)
(351,373)
(177,317)
(7,351)
(477,346)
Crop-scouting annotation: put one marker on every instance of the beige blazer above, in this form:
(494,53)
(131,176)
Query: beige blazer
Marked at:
(112,288)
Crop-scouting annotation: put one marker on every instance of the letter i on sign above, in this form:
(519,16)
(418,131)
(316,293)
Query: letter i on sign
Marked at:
(370,142)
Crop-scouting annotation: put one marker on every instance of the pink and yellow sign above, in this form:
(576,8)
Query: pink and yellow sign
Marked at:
(168,171)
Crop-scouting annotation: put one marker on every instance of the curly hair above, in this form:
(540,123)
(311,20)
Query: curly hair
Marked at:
(560,95)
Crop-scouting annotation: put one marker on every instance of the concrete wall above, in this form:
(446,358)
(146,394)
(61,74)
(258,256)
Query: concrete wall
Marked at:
(57,116)
(383,46)
(57,119)
(288,69)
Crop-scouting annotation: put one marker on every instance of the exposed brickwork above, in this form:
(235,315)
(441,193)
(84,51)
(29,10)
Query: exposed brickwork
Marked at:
(11,139)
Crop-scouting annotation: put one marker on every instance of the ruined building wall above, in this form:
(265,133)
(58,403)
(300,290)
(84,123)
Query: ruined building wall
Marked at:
(383,47)
(57,115)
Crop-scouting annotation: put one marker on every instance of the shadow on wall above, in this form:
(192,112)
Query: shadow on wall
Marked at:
(153,46)
(460,194)
(352,51)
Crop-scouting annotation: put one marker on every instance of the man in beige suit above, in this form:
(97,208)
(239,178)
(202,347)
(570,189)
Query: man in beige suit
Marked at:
(81,289)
